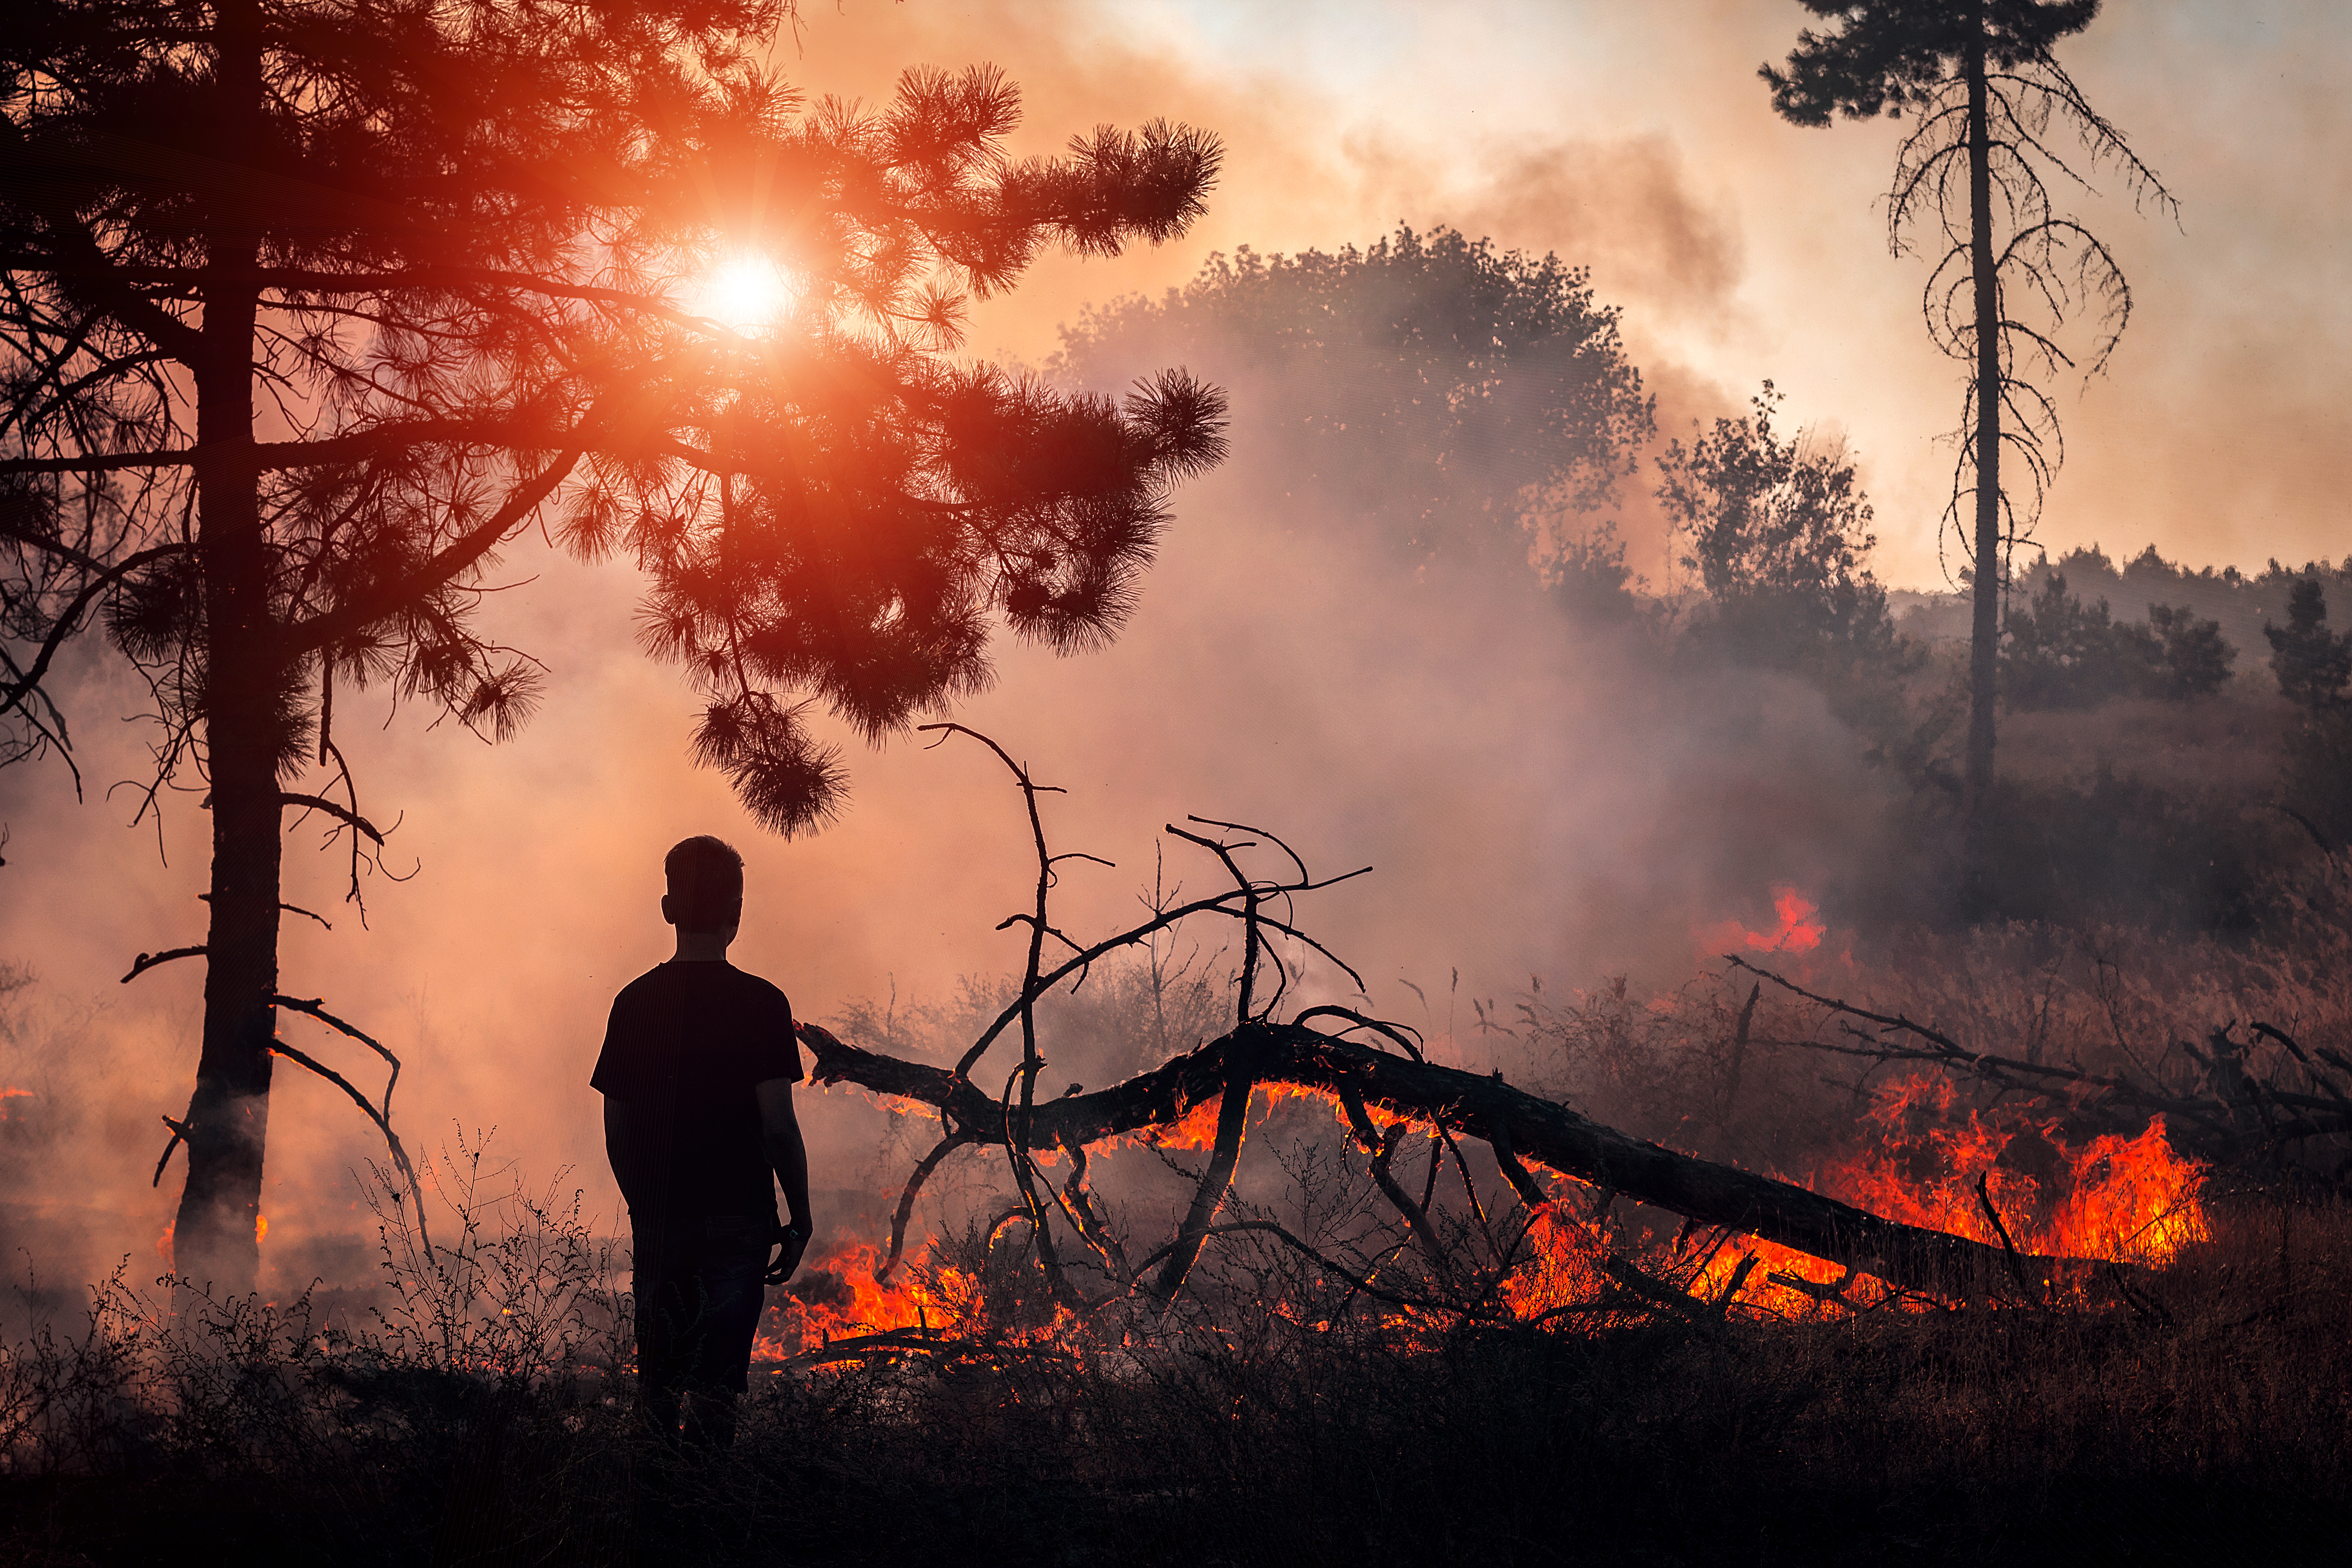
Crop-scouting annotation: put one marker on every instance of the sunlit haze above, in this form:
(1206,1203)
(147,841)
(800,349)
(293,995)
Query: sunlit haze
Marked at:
(1530,804)
(746,291)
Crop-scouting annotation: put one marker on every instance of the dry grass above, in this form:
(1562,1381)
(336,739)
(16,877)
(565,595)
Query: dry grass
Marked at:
(2215,1419)
(474,1410)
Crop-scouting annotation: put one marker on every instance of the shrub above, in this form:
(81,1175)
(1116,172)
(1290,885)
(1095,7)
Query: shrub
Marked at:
(2059,653)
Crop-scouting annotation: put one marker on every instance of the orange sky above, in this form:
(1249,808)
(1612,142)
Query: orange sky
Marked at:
(1638,141)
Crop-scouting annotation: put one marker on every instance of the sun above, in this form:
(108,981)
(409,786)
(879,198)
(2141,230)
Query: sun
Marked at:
(746,291)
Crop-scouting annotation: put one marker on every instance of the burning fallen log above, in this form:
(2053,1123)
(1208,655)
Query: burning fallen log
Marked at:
(1520,1128)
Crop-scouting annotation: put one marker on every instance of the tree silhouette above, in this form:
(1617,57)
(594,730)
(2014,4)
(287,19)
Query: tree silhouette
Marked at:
(1984,89)
(2311,662)
(312,308)
(1442,392)
(1779,534)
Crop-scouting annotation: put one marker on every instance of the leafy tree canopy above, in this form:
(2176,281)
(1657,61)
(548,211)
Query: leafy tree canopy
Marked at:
(2060,653)
(1779,530)
(1889,56)
(1442,390)
(453,255)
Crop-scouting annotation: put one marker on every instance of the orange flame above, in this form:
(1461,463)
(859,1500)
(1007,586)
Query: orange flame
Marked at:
(1794,929)
(2128,1200)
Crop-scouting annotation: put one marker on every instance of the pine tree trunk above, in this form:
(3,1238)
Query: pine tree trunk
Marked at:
(1984,630)
(214,1236)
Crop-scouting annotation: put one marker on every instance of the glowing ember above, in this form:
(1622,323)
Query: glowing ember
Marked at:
(2126,1199)
(837,1297)
(1563,1269)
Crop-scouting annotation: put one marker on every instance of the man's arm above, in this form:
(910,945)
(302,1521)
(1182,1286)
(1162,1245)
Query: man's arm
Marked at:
(779,1140)
(620,1149)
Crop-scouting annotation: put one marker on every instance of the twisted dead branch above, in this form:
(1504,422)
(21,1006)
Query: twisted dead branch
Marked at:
(1471,1106)
(1385,1069)
(2241,1117)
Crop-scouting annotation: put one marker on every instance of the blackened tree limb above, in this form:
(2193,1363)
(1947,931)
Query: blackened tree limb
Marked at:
(313,1009)
(1381,1149)
(1232,1117)
(1537,1131)
(147,961)
(350,819)
(906,1209)
(382,1124)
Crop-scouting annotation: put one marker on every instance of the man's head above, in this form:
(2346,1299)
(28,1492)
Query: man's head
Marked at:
(706,886)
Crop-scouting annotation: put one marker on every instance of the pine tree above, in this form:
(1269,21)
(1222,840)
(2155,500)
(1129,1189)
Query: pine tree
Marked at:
(313,308)
(2010,269)
(2311,662)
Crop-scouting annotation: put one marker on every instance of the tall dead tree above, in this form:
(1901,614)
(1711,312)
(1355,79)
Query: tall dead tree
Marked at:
(1983,89)
(310,309)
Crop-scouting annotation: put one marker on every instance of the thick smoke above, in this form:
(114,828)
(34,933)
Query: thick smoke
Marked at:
(1536,798)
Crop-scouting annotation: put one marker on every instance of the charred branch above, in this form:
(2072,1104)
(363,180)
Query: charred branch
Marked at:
(350,819)
(382,1124)
(2241,1115)
(1466,1104)
(147,961)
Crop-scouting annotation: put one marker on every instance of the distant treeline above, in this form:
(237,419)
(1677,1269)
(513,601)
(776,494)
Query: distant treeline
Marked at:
(2068,611)
(1452,407)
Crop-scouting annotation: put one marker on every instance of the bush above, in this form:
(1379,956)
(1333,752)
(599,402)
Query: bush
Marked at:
(2058,653)
(2115,848)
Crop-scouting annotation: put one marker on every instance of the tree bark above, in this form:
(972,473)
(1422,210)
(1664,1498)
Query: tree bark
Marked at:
(1533,1130)
(214,1236)
(1984,629)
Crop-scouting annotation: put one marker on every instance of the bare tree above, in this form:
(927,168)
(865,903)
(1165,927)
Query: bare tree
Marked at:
(310,309)
(2010,269)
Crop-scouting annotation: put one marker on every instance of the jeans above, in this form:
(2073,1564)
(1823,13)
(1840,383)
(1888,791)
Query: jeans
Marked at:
(699,1292)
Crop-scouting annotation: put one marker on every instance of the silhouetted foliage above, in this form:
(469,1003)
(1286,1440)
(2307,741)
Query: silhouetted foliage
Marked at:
(1442,392)
(1982,85)
(2060,653)
(1779,531)
(2115,848)
(2188,657)
(2311,662)
(454,254)
(1587,577)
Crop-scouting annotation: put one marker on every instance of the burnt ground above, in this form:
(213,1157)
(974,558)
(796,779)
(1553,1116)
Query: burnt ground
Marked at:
(2213,1422)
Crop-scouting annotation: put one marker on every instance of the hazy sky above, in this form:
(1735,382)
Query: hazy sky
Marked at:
(1637,139)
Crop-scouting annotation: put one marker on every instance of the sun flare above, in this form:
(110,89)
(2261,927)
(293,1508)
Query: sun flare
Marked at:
(746,291)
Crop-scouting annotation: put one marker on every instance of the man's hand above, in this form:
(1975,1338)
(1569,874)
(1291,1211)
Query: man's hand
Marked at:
(794,1242)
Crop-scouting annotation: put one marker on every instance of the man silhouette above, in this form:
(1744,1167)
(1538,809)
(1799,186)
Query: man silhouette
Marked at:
(697,1069)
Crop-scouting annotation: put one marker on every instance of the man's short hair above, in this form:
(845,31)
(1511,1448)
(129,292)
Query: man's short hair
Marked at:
(706,884)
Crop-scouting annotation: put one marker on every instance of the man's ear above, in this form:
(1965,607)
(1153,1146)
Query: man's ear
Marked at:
(668,918)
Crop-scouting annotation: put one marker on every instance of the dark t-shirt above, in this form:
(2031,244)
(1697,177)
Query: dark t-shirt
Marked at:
(686,1043)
